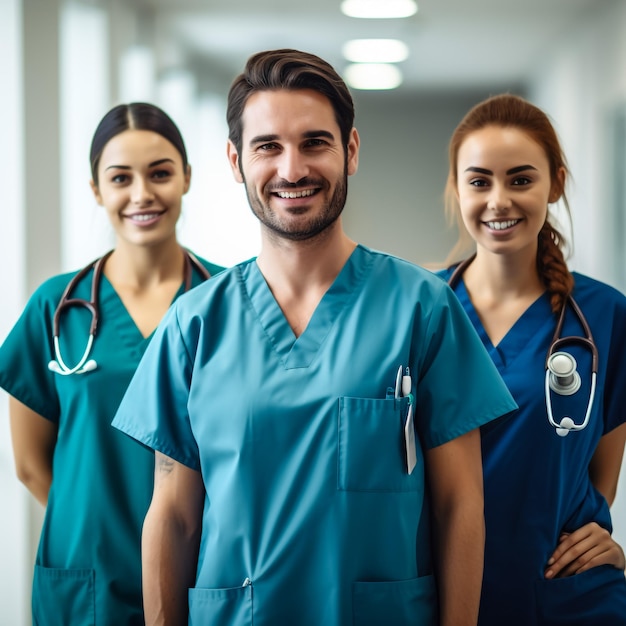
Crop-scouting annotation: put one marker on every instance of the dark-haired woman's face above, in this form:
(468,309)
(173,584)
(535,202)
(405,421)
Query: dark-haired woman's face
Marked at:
(141,185)
(503,189)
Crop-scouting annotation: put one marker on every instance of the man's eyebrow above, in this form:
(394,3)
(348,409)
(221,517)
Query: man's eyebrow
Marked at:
(263,139)
(309,134)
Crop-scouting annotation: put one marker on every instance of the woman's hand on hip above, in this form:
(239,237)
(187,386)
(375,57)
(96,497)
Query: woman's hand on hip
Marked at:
(585,548)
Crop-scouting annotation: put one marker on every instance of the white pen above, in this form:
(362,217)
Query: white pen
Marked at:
(406,383)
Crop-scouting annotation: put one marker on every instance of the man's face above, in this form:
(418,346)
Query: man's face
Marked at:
(293,162)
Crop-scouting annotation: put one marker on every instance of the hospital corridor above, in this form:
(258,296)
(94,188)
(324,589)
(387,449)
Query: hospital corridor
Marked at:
(69,62)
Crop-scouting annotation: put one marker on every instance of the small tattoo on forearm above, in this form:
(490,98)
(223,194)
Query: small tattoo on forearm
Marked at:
(165,465)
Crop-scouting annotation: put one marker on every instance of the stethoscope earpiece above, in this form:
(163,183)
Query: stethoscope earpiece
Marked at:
(565,426)
(89,366)
(58,368)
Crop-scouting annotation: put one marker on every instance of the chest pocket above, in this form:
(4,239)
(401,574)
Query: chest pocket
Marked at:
(371,446)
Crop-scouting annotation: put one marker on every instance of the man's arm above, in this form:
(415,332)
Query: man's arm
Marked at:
(34,439)
(170,542)
(456,489)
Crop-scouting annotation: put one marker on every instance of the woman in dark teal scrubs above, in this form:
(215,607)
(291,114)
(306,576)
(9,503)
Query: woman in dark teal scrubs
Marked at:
(95,482)
(549,556)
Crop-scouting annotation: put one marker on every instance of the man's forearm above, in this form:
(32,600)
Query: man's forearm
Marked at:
(461,541)
(169,560)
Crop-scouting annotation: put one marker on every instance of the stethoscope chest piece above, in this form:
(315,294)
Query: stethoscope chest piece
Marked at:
(564,379)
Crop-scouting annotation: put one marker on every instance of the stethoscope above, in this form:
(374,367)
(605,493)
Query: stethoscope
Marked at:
(561,374)
(85,364)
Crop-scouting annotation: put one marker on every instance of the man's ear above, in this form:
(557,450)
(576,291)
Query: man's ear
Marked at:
(354,143)
(233,159)
(95,191)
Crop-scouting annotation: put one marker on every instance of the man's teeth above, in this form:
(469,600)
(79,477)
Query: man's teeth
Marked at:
(295,194)
(502,225)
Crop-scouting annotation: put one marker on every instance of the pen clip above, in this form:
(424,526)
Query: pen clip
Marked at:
(398,390)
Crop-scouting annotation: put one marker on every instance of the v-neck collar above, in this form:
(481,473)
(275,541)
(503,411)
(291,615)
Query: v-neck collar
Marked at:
(517,338)
(112,306)
(298,352)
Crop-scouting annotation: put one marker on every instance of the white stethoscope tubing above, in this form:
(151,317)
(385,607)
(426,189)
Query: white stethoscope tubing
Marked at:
(567,423)
(59,366)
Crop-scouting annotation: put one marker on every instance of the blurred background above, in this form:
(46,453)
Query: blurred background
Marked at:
(66,62)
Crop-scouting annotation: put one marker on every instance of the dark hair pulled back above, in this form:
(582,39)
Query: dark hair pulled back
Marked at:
(134,116)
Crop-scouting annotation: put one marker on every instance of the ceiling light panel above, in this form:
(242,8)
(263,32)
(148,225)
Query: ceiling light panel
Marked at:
(373,76)
(379,9)
(375,51)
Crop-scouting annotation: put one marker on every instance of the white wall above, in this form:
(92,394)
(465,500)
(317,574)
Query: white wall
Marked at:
(395,201)
(15,570)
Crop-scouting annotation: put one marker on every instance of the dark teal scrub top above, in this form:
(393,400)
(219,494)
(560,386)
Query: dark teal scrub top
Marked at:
(88,567)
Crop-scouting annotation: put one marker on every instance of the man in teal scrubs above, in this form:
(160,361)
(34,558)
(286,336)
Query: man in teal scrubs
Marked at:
(314,411)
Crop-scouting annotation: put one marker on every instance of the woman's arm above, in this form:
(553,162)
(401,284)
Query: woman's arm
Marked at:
(170,541)
(591,545)
(34,439)
(606,463)
(456,489)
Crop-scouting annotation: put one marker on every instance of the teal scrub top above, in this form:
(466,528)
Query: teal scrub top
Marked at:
(310,516)
(88,566)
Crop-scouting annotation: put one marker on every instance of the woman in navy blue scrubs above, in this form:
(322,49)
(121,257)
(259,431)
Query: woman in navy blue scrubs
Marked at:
(550,474)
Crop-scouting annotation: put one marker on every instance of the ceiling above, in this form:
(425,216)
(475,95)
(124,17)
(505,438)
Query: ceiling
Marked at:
(461,44)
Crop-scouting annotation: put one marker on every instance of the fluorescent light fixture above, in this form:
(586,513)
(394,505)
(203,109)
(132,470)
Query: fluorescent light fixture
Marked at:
(378,8)
(375,51)
(373,76)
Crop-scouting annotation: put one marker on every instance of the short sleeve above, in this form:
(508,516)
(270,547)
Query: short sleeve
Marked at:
(615,386)
(27,350)
(154,408)
(459,387)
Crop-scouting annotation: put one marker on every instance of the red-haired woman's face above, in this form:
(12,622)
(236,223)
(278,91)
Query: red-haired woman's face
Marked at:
(503,189)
